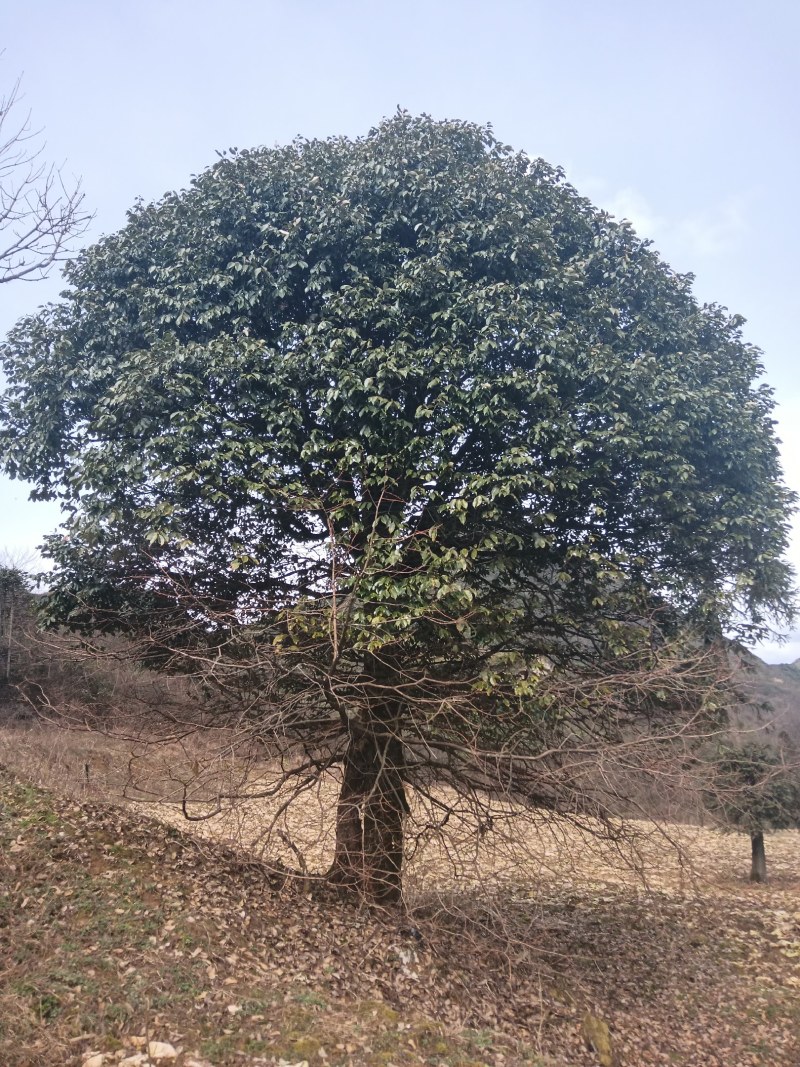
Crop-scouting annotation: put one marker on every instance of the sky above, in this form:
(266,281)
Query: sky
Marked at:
(680,117)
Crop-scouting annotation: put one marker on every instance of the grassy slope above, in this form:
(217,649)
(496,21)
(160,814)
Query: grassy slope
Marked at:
(116,930)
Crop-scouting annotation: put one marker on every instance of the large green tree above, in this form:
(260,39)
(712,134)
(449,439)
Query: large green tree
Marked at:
(410,429)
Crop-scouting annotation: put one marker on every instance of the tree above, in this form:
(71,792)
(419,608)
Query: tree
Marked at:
(414,454)
(15,597)
(40,213)
(755,790)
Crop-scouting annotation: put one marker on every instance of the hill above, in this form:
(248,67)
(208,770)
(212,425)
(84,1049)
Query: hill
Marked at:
(772,695)
(781,687)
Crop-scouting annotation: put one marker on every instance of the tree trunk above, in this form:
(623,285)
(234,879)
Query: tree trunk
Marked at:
(10,635)
(372,803)
(758,869)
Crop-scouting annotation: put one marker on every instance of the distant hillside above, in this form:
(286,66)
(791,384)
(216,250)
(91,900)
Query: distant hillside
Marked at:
(772,695)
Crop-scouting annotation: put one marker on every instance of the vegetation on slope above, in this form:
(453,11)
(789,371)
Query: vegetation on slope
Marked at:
(116,931)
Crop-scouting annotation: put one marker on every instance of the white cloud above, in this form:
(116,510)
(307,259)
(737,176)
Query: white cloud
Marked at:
(716,233)
(631,205)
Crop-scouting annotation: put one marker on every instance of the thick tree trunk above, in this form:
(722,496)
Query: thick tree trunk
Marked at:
(347,868)
(758,869)
(369,821)
(372,805)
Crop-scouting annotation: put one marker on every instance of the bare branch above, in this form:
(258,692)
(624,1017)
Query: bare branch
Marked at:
(41,212)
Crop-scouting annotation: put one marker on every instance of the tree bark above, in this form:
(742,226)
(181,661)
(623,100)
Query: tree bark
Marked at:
(10,635)
(372,802)
(758,869)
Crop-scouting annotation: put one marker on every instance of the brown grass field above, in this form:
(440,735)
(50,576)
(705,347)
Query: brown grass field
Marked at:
(540,943)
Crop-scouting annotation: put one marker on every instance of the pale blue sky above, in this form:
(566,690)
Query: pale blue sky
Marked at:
(681,116)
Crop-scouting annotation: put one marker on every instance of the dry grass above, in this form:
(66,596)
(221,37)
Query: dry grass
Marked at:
(523,846)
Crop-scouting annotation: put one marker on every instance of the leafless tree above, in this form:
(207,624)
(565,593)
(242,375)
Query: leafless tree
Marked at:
(41,213)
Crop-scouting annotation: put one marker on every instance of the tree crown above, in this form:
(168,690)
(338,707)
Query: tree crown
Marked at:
(755,789)
(415,369)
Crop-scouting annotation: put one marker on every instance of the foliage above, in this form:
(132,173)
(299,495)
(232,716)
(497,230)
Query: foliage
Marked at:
(376,435)
(14,583)
(15,605)
(755,789)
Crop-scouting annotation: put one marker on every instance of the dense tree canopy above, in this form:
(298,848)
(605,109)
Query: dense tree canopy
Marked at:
(414,415)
